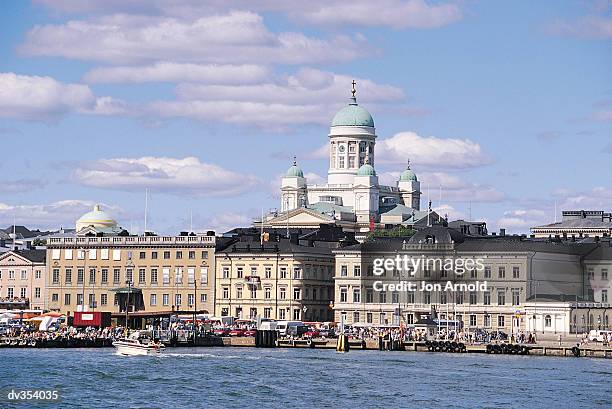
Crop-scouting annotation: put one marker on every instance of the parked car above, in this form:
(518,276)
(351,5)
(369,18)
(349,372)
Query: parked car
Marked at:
(328,333)
(236,332)
(313,333)
(221,332)
(296,330)
(249,333)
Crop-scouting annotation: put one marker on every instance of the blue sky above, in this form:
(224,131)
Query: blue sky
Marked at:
(505,105)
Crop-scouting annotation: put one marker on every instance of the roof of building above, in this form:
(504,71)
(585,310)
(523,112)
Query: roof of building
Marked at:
(34,255)
(353,115)
(294,171)
(438,235)
(366,170)
(577,223)
(327,208)
(96,216)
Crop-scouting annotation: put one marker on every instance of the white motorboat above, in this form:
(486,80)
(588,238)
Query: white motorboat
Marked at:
(138,344)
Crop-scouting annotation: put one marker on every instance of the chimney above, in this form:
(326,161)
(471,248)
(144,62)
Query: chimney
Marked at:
(502,232)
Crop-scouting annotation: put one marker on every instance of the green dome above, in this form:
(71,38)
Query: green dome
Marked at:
(353,115)
(408,176)
(294,171)
(366,170)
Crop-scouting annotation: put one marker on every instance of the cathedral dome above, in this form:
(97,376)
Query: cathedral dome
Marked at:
(408,175)
(294,171)
(366,170)
(353,115)
(96,218)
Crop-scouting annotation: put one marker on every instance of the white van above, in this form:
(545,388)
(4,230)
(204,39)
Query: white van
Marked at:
(599,335)
(268,325)
(281,326)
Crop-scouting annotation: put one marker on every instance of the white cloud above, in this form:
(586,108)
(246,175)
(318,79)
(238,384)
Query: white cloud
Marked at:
(49,216)
(458,189)
(186,175)
(521,220)
(399,14)
(431,151)
(222,222)
(44,98)
(591,26)
(603,115)
(21,185)
(448,210)
(176,72)
(597,198)
(307,97)
(236,37)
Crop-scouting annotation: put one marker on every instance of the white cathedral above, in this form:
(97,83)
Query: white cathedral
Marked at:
(352,197)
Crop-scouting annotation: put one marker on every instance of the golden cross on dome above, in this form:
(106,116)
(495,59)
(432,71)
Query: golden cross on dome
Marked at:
(353,91)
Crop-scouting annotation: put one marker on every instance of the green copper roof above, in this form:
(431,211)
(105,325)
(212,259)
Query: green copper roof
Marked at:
(353,115)
(294,171)
(366,170)
(408,176)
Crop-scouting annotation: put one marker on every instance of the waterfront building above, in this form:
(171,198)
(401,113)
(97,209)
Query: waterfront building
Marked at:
(278,278)
(517,270)
(578,224)
(352,198)
(22,279)
(98,269)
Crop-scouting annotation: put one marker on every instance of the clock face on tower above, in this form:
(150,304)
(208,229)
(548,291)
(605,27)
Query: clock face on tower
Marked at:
(341,148)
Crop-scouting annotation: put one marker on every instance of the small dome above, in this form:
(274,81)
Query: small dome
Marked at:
(353,115)
(294,171)
(96,218)
(366,170)
(408,175)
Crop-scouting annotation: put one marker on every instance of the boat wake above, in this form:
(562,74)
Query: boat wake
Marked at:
(208,355)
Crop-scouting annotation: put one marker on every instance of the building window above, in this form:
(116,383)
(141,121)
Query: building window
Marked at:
(297,293)
(501,272)
(282,293)
(281,314)
(369,296)
(268,274)
(604,296)
(68,277)
(357,271)
(22,293)
(204,254)
(166,255)
(443,297)
(153,276)
(142,255)
(178,275)
(355,316)
(297,273)
(179,254)
(500,320)
(459,297)
(37,274)
(472,320)
(239,272)
(487,320)
(473,297)
(410,297)
(37,292)
(203,297)
(154,255)
(382,297)
(343,295)
(486,298)
(604,273)
(153,300)
(24,274)
(426,272)
(9,292)
(103,299)
(254,293)
(165,299)
(267,312)
(487,272)
(297,312)
(226,272)
(191,255)
(116,275)
(129,275)
(357,295)
(267,293)
(142,276)
(341,162)
(204,275)
(66,299)
(178,299)
(351,162)
(283,272)
(395,297)
(473,273)
(591,273)
(92,275)
(516,272)
(104,275)
(548,321)
(343,271)
(516,296)
(426,297)
(56,276)
(79,299)
(501,298)
(190,300)
(238,292)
